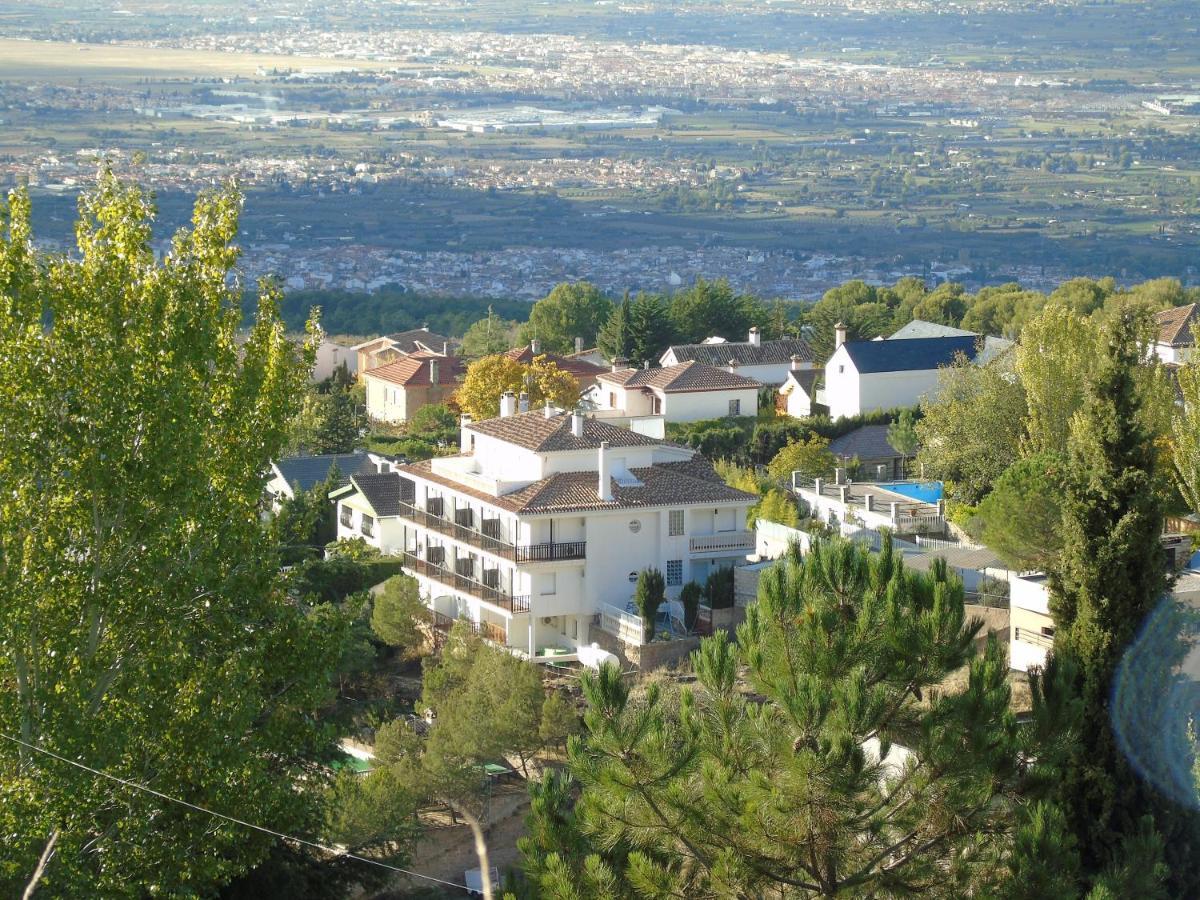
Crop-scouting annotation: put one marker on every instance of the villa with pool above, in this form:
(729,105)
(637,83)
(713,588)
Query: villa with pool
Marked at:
(904,507)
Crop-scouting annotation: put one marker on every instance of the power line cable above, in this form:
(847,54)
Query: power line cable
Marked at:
(279,834)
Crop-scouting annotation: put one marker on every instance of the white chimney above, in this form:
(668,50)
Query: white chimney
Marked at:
(445,348)
(733,366)
(755,337)
(796,362)
(577,424)
(433,371)
(548,412)
(839,335)
(535,346)
(508,404)
(523,402)
(604,489)
(645,364)
(619,363)
(578,345)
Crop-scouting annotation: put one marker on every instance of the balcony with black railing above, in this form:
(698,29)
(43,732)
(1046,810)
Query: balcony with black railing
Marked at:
(557,551)
(467,585)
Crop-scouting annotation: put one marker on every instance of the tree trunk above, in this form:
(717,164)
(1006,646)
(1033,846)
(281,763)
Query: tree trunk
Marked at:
(47,853)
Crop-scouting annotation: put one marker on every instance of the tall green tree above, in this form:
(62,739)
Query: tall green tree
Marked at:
(489,336)
(398,614)
(1185,437)
(847,772)
(571,310)
(648,595)
(972,427)
(650,328)
(902,434)
(1110,579)
(614,338)
(144,630)
(710,308)
(1021,519)
(338,432)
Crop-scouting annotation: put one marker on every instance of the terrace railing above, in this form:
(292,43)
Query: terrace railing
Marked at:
(486,593)
(547,552)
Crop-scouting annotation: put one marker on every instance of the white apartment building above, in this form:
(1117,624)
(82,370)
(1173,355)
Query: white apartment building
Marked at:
(1032,628)
(544,520)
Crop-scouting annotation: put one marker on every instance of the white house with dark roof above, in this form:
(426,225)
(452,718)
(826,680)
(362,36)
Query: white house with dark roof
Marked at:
(767,362)
(1176,340)
(544,520)
(294,474)
(388,348)
(862,376)
(687,392)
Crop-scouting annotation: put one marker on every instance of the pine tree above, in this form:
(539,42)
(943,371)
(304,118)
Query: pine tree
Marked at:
(848,770)
(1110,578)
(650,328)
(614,339)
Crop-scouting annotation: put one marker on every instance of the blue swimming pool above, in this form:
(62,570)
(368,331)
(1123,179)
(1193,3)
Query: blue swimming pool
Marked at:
(925,491)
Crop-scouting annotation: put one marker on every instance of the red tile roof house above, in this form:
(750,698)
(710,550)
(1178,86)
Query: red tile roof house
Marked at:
(688,392)
(397,390)
(544,520)
(585,372)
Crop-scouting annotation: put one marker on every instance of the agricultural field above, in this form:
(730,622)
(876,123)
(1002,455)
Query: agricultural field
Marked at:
(489,146)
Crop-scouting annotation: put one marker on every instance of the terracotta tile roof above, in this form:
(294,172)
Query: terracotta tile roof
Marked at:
(1175,326)
(533,431)
(687,483)
(414,370)
(580,368)
(683,378)
(767,353)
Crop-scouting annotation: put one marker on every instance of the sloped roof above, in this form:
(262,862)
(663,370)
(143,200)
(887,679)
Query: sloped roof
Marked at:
(688,377)
(685,483)
(414,369)
(381,491)
(306,472)
(410,341)
(767,353)
(910,355)
(805,378)
(1175,326)
(580,368)
(919,328)
(865,442)
(533,431)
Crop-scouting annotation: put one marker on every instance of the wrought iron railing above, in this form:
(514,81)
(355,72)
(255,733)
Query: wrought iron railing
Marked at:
(547,552)
(486,593)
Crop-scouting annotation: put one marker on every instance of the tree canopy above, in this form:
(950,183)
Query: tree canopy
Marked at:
(845,773)
(572,310)
(144,629)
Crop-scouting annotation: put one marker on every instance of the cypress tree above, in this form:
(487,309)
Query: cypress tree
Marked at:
(1110,578)
(614,337)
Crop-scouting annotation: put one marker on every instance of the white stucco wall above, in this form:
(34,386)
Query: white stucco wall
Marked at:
(841,385)
(1029,593)
(799,404)
(386,402)
(888,390)
(1175,355)
(698,405)
(330,356)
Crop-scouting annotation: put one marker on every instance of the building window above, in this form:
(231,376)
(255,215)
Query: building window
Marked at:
(435,506)
(549,584)
(612,400)
(735,407)
(367,526)
(346,516)
(436,555)
(674,572)
(675,522)
(841,370)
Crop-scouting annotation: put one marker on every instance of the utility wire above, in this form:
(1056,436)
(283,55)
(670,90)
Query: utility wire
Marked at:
(287,837)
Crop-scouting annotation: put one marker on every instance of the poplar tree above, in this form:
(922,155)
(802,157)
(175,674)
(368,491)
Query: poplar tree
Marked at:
(1110,579)
(144,630)
(614,337)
